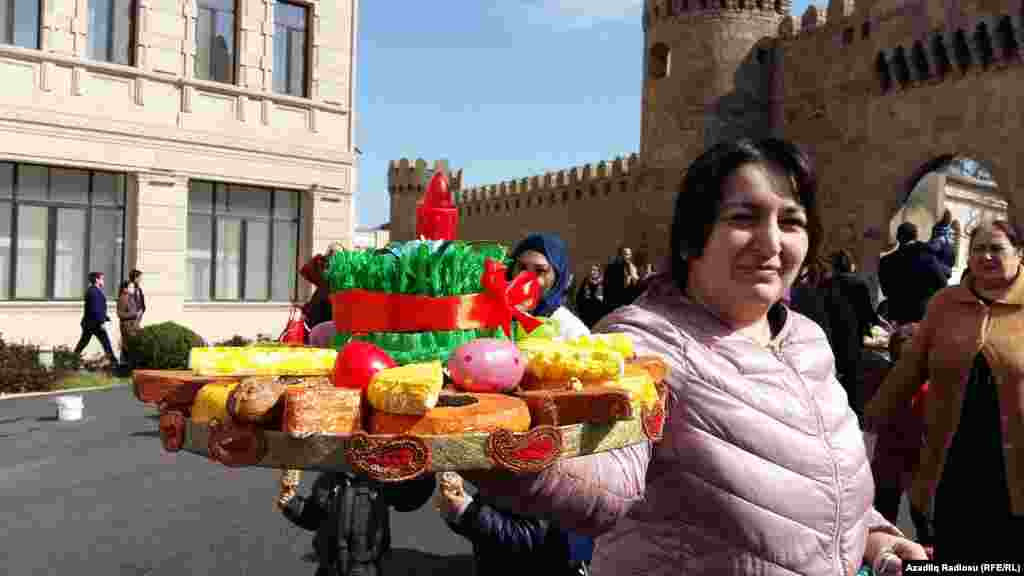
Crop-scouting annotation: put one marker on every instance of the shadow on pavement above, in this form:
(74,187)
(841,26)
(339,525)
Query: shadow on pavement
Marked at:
(146,434)
(405,562)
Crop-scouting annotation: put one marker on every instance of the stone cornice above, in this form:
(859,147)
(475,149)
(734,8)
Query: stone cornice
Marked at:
(24,54)
(106,131)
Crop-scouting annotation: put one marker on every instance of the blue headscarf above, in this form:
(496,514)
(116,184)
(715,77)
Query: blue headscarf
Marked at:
(554,249)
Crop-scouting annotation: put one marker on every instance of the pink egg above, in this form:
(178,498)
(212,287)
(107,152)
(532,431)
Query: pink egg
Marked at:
(486,365)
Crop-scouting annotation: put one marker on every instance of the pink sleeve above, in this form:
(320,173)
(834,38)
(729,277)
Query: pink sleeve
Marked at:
(587,495)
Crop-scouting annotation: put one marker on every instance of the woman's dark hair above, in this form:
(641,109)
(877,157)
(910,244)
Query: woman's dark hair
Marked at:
(94,277)
(699,199)
(1011,231)
(842,262)
(134,275)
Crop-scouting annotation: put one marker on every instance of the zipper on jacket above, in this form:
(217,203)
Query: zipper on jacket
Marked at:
(776,349)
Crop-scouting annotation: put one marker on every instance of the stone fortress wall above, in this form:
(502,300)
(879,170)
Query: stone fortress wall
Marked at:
(880,92)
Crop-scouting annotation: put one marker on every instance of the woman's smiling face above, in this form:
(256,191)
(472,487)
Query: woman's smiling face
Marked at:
(756,247)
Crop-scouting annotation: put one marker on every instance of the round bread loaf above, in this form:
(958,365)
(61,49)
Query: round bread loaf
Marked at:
(458,413)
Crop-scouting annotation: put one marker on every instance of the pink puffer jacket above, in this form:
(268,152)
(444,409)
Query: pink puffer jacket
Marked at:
(762,469)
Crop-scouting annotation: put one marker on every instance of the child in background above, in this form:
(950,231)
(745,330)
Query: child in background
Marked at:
(505,542)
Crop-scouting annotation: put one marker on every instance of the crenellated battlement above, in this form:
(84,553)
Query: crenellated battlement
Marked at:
(406,175)
(892,47)
(658,11)
(576,176)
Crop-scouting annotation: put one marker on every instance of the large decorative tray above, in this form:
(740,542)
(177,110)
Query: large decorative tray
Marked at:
(390,458)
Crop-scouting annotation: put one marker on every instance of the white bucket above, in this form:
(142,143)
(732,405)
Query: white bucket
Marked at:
(69,408)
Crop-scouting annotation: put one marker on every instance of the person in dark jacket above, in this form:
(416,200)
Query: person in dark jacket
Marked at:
(135,277)
(910,276)
(351,518)
(942,243)
(128,319)
(507,543)
(318,308)
(621,279)
(94,317)
(590,297)
(851,317)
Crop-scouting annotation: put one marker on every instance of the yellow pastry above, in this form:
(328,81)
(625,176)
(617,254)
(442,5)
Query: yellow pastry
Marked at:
(409,389)
(262,361)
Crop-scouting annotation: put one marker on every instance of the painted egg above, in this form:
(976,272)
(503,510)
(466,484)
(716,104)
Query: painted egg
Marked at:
(486,365)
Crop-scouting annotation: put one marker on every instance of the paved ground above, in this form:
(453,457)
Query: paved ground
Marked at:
(100,496)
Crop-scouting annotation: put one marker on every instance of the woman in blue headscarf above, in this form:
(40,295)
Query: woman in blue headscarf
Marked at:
(547,256)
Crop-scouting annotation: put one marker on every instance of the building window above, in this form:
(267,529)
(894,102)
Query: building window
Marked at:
(290,48)
(215,40)
(243,243)
(56,226)
(19,23)
(111,31)
(660,61)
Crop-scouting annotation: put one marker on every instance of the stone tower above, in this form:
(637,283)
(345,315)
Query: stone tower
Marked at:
(406,183)
(707,75)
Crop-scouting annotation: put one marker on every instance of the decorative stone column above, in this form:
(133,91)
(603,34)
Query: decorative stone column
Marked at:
(158,240)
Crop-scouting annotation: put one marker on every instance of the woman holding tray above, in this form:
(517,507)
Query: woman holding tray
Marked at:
(762,469)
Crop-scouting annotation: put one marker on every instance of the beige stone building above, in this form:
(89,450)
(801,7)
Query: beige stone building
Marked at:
(881,92)
(208,143)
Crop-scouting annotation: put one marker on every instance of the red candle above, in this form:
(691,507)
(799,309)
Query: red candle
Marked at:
(436,215)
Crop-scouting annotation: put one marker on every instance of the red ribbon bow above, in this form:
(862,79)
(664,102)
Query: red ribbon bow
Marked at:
(524,290)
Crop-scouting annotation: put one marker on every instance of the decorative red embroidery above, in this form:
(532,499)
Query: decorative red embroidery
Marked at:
(388,458)
(523,453)
(536,450)
(392,458)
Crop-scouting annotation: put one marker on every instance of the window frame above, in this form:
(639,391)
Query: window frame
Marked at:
(270,219)
(307,50)
(133,41)
(52,207)
(12,29)
(236,62)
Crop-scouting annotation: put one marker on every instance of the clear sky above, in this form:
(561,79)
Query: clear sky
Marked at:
(500,88)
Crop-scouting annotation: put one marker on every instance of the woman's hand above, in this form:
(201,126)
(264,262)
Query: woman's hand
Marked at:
(886,552)
(451,498)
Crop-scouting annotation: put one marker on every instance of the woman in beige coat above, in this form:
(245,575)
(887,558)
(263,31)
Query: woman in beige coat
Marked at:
(970,478)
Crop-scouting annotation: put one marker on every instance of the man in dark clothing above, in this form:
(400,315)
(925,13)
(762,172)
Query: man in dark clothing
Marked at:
(850,318)
(910,276)
(621,279)
(352,521)
(942,244)
(590,298)
(135,277)
(94,317)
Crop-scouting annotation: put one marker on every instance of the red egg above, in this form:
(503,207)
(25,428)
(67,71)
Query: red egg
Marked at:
(357,363)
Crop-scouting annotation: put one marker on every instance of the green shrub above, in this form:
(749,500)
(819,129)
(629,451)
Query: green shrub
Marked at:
(163,346)
(64,358)
(235,340)
(22,371)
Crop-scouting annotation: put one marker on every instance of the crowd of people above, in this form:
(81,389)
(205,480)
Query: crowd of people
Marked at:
(619,284)
(763,468)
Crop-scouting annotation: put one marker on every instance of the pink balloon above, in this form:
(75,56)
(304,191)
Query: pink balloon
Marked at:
(487,365)
(322,335)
